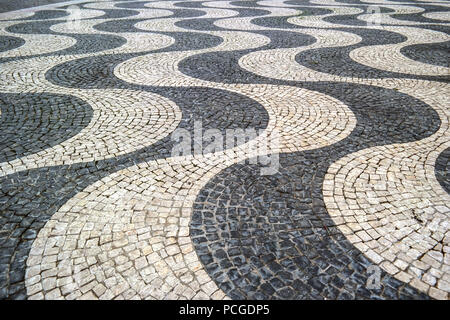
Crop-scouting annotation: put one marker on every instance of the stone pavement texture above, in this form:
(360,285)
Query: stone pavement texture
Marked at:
(94,205)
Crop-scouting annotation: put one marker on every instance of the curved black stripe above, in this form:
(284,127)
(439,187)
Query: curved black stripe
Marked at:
(331,60)
(432,53)
(9,43)
(8,5)
(115,13)
(34,27)
(32,122)
(352,19)
(98,71)
(133,5)
(418,17)
(85,43)
(270,237)
(129,25)
(190,4)
(442,169)
(47,14)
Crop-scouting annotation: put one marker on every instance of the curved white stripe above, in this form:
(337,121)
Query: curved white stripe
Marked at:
(123,121)
(281,64)
(388,57)
(39,44)
(388,203)
(437,15)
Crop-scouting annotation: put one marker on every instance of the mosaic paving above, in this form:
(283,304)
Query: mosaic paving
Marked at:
(94,204)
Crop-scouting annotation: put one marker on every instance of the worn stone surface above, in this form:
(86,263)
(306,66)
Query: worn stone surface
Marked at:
(94,204)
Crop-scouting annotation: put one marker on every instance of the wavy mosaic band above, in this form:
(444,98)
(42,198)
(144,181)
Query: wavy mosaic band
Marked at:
(95,206)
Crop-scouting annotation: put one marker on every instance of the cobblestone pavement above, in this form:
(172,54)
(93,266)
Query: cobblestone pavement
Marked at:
(94,204)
